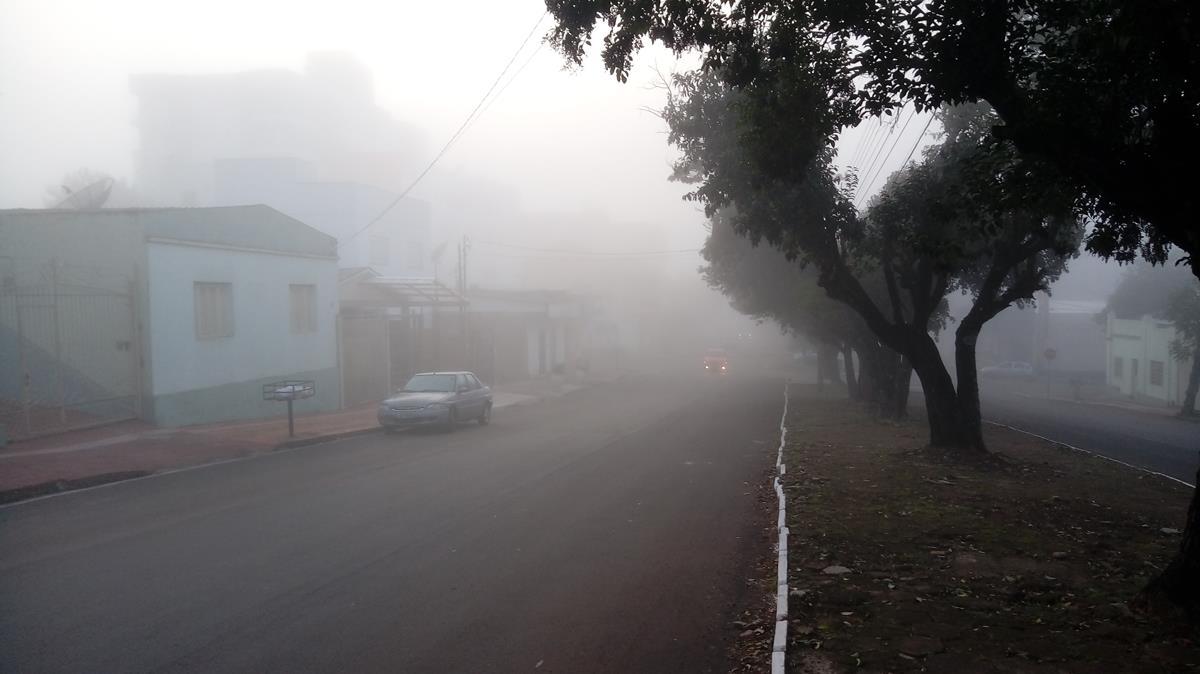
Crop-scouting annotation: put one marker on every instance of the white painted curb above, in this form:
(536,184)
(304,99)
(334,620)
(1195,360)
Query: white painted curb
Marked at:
(779,643)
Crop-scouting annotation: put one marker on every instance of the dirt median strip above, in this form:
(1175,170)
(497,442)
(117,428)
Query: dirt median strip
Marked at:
(903,560)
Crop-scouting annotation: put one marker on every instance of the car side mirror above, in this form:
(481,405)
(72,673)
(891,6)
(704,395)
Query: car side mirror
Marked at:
(463,389)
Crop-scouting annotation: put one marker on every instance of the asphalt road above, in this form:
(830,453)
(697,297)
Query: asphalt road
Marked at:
(610,530)
(1147,439)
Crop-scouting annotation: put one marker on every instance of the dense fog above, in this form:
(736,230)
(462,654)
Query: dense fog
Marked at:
(557,177)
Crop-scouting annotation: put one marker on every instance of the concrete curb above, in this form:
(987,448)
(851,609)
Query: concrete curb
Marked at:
(341,435)
(779,643)
(1093,454)
(321,439)
(28,494)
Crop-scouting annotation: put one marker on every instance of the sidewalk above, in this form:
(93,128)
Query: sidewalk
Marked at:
(132,449)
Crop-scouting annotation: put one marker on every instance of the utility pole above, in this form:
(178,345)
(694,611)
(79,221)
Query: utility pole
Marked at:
(464,247)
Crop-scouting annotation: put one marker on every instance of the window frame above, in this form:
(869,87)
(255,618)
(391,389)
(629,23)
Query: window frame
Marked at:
(1158,371)
(206,325)
(309,315)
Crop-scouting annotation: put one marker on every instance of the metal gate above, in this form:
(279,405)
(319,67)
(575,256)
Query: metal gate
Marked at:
(69,349)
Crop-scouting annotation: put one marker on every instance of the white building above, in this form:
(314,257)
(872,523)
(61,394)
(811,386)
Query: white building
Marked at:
(176,316)
(1140,364)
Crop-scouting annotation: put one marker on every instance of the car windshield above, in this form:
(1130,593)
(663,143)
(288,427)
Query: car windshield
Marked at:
(430,383)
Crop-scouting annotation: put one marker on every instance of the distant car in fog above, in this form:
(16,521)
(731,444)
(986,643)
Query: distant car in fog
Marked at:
(716,361)
(1012,368)
(437,399)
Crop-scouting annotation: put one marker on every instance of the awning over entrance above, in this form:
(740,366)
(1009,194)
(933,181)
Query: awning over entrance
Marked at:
(365,288)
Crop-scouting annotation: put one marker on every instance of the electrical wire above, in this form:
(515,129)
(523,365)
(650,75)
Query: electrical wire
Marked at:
(880,143)
(879,153)
(453,138)
(863,144)
(883,164)
(917,141)
(512,79)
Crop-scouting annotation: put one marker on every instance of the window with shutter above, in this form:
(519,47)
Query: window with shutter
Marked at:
(213,310)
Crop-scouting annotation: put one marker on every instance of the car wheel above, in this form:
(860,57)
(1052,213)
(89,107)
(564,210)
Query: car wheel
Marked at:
(486,417)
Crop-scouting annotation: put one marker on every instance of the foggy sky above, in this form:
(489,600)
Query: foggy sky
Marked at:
(561,141)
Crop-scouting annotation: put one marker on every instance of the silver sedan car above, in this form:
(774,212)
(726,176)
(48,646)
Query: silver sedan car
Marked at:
(437,399)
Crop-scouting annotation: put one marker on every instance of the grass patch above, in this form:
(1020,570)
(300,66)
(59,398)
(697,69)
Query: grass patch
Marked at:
(1020,563)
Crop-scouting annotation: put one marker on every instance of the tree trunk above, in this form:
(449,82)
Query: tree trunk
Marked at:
(946,430)
(966,368)
(851,378)
(1189,396)
(903,389)
(1179,584)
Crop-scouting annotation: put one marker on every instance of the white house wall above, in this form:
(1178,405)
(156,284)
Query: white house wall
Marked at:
(195,380)
(1145,341)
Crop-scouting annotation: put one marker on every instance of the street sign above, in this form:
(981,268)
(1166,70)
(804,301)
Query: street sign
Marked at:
(1049,354)
(290,390)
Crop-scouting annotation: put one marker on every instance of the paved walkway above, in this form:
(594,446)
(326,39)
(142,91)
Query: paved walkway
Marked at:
(70,460)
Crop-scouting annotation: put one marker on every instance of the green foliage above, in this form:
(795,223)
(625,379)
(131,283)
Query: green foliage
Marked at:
(1102,89)
(1001,224)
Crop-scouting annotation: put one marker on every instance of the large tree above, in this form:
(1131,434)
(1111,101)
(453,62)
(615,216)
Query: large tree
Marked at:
(1104,89)
(938,224)
(1002,224)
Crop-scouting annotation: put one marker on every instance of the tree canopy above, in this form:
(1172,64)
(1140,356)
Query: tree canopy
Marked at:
(1104,89)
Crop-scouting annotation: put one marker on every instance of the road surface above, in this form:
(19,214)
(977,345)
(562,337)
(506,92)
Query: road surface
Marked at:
(611,530)
(1147,439)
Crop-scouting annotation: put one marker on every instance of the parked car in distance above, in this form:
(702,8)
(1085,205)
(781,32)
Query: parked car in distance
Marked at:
(437,399)
(715,361)
(1013,368)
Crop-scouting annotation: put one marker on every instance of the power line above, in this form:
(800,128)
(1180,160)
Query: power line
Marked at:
(513,78)
(590,253)
(877,139)
(917,141)
(861,149)
(882,143)
(453,138)
(886,157)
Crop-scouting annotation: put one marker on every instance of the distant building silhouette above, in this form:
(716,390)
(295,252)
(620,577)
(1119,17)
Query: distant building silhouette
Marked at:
(312,144)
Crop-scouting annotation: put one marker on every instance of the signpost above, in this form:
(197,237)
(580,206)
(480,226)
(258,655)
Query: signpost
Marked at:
(290,390)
